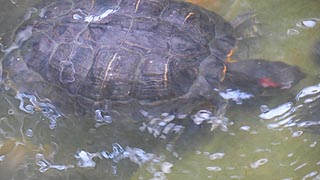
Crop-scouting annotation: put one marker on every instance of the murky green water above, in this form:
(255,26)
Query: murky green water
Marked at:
(253,148)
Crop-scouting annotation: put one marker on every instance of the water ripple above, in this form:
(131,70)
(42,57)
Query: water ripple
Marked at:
(294,114)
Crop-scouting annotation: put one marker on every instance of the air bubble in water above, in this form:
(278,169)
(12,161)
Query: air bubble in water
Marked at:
(236,177)
(215,156)
(114,169)
(29,132)
(166,167)
(10,111)
(165,114)
(182,116)
(258,163)
(308,23)
(264,108)
(313,144)
(214,168)
(159,176)
(2,157)
(297,133)
(245,128)
(292,32)
(77,17)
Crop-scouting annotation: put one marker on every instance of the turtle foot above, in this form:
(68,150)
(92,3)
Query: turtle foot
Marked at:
(216,121)
(162,127)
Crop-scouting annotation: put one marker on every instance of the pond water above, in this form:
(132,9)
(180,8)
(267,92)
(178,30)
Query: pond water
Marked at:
(282,142)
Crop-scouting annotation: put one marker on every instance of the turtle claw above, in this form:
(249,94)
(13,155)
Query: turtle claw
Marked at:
(221,122)
(210,118)
(102,113)
(162,126)
(101,119)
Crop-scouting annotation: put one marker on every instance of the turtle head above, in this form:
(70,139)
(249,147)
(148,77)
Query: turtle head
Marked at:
(258,74)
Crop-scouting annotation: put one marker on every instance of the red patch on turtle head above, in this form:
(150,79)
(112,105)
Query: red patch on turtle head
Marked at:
(268,82)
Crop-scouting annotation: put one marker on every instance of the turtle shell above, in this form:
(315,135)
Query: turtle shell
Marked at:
(118,50)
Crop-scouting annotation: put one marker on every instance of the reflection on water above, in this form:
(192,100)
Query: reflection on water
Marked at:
(280,142)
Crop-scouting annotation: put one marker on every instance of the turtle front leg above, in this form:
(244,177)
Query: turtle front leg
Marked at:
(209,88)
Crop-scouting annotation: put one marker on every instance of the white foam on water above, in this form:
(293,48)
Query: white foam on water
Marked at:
(235,95)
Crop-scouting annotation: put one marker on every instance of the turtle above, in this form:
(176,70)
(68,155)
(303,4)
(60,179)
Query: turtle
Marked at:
(124,56)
